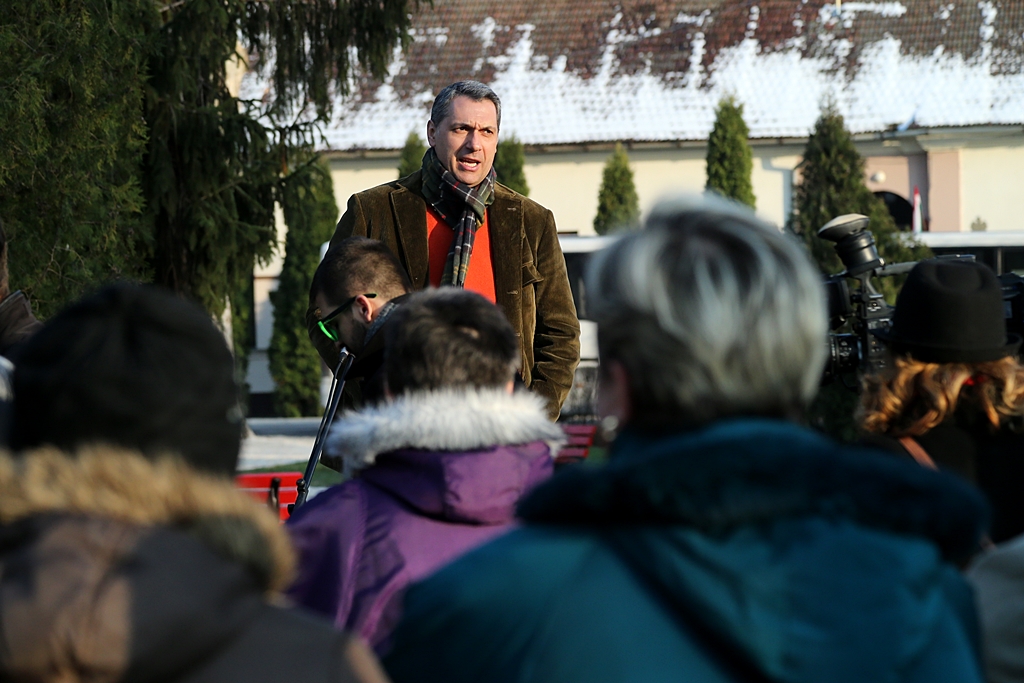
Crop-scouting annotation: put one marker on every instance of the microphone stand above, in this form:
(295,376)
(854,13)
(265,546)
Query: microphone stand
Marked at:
(345,361)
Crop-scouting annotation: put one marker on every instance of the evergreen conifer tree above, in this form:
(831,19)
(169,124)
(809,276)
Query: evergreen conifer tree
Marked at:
(311,214)
(832,184)
(730,160)
(72,76)
(508,164)
(618,207)
(126,155)
(412,155)
(215,164)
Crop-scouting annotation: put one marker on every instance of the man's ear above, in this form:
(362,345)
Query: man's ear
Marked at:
(431,133)
(363,308)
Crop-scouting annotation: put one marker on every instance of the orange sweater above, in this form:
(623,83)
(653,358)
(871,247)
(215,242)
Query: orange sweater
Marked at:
(480,276)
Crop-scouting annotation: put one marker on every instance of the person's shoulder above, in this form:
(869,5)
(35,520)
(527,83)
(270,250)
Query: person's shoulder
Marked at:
(531,208)
(337,502)
(409,183)
(509,574)
(282,644)
(472,618)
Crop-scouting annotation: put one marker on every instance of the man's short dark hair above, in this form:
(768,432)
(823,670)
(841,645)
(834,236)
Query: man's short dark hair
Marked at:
(449,338)
(474,90)
(359,265)
(131,366)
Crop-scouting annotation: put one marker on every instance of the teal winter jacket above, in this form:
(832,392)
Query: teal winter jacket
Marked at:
(750,550)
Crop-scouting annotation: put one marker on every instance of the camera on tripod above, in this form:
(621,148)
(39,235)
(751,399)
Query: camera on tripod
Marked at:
(861,304)
(860,351)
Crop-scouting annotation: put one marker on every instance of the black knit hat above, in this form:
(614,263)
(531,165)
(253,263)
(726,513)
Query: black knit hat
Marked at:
(950,312)
(132,366)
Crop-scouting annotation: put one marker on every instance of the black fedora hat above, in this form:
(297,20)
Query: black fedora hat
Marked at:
(950,312)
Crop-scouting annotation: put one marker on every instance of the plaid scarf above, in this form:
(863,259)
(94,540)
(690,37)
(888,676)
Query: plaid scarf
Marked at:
(462,207)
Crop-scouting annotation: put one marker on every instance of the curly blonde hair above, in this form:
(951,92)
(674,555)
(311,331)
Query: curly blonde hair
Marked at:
(912,397)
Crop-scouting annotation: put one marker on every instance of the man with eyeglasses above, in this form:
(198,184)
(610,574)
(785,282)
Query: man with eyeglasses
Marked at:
(355,289)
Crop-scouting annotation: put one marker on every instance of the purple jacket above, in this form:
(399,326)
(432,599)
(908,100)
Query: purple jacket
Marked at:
(435,474)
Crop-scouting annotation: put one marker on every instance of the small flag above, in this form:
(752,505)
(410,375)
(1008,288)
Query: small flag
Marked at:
(917,222)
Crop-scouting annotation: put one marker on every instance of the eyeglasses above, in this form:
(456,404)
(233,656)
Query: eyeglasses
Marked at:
(332,333)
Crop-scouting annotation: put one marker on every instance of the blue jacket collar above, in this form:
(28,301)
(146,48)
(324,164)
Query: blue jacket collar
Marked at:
(749,471)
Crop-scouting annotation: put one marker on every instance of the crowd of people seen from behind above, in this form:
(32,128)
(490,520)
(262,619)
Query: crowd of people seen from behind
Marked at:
(723,541)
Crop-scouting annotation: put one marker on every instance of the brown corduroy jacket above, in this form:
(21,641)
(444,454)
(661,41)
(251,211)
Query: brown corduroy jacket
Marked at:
(530,280)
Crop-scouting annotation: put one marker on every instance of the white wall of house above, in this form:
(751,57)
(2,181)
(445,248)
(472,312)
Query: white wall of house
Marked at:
(264,282)
(568,182)
(993,187)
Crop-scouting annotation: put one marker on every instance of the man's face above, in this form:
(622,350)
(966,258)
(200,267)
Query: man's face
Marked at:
(350,328)
(466,140)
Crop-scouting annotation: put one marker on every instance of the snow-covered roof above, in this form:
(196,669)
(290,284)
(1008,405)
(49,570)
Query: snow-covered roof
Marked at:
(577,71)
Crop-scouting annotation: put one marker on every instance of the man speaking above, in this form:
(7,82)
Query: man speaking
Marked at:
(451,224)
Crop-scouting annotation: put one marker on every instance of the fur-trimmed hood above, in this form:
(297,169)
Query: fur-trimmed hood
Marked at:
(118,568)
(123,486)
(447,420)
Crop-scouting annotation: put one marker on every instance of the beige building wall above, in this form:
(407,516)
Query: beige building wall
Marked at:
(568,182)
(773,177)
(992,179)
(945,191)
(355,174)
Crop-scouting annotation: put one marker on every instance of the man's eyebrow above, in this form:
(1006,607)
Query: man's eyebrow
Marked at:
(467,124)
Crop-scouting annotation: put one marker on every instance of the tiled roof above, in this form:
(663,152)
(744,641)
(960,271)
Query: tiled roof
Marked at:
(571,71)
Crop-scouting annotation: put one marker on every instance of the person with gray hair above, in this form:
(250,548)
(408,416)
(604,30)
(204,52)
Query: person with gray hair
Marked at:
(723,541)
(452,224)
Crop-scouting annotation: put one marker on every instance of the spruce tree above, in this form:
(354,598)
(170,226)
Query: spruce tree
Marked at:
(124,153)
(508,164)
(730,160)
(216,165)
(72,74)
(618,207)
(311,214)
(832,184)
(412,155)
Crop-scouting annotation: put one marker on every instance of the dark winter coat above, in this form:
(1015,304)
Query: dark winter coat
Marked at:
(17,323)
(439,473)
(966,445)
(530,280)
(751,550)
(114,568)
(998,580)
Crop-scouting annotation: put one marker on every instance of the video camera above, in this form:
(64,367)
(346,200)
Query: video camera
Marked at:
(862,305)
(865,308)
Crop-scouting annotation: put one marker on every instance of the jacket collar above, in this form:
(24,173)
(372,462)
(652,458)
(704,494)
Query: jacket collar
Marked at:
(122,485)
(445,420)
(750,471)
(504,221)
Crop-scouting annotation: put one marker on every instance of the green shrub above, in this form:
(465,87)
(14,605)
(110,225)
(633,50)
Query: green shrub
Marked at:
(311,214)
(411,158)
(618,207)
(508,164)
(730,160)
